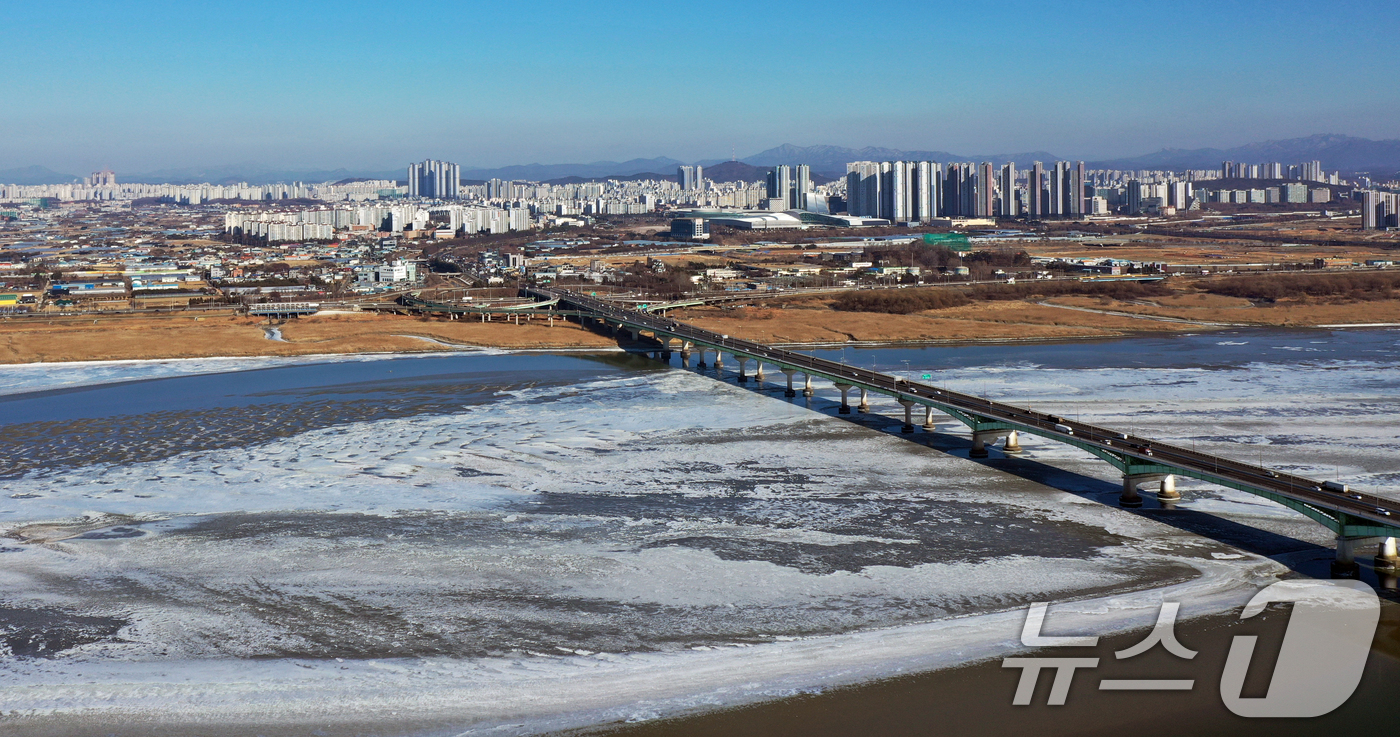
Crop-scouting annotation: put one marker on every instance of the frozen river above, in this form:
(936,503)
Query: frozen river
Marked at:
(515,543)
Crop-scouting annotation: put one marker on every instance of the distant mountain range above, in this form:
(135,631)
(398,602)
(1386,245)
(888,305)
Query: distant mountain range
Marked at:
(34,175)
(542,172)
(1336,152)
(831,160)
(253,174)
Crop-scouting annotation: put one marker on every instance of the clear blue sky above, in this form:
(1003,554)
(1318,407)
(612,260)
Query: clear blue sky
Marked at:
(144,85)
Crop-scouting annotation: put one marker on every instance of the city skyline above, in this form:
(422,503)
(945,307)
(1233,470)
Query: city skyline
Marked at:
(147,86)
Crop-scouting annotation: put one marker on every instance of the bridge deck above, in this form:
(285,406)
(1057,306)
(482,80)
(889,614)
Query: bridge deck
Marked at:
(1348,514)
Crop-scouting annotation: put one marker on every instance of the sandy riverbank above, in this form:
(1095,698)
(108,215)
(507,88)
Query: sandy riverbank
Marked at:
(85,338)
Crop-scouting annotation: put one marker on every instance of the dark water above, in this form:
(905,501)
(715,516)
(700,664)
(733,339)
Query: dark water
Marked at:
(139,421)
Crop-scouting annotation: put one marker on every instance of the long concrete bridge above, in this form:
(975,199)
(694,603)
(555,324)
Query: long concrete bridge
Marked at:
(1353,517)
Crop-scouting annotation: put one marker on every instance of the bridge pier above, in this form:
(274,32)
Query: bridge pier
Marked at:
(845,389)
(666,355)
(743,360)
(1345,565)
(980,438)
(864,405)
(719,360)
(1129,498)
(1387,557)
(928,418)
(758,375)
(1013,443)
(807,390)
(908,416)
(790,391)
(702,350)
(1167,492)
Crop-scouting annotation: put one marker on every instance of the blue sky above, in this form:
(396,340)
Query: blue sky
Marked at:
(143,85)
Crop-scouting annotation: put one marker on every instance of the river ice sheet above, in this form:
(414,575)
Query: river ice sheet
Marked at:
(476,533)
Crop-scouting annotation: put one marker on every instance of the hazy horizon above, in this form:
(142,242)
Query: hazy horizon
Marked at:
(149,85)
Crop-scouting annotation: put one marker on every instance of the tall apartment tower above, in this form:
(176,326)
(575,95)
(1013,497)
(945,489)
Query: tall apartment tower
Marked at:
(986,191)
(894,205)
(1077,201)
(780,184)
(925,188)
(960,191)
(801,185)
(863,190)
(1134,197)
(1059,190)
(1035,191)
(1008,191)
(689,177)
(433,179)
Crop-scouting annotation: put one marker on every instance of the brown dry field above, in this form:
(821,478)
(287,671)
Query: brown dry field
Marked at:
(33,340)
(808,321)
(993,321)
(1146,248)
(1216,308)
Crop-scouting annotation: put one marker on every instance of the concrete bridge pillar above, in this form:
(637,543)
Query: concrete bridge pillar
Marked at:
(845,389)
(790,391)
(928,418)
(702,350)
(980,438)
(1129,498)
(743,360)
(719,359)
(1013,442)
(1131,482)
(758,375)
(1168,493)
(1387,557)
(864,405)
(1345,565)
(908,416)
(807,390)
(666,356)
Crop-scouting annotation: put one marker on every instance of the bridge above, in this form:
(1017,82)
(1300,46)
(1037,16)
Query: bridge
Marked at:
(1353,517)
(284,309)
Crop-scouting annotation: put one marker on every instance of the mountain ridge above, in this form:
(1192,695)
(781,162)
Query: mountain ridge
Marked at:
(1337,152)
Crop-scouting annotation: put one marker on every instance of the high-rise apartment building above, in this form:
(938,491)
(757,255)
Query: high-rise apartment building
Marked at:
(926,190)
(433,179)
(1008,191)
(691,178)
(780,185)
(801,185)
(1035,192)
(863,194)
(1059,190)
(986,191)
(1079,204)
(899,191)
